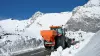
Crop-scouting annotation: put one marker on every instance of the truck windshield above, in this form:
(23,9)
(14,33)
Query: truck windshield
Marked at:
(60,31)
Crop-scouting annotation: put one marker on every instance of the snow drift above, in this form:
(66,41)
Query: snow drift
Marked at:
(92,48)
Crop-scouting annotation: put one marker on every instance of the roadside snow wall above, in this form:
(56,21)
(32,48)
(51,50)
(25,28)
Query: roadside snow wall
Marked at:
(92,48)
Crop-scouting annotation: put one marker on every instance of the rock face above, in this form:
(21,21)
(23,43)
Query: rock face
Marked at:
(86,17)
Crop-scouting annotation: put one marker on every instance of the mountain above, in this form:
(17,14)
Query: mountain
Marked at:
(17,35)
(86,17)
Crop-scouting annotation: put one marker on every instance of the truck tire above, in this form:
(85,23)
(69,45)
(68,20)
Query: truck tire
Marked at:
(60,41)
(63,42)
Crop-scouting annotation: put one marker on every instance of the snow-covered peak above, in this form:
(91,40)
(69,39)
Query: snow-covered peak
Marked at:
(37,14)
(86,17)
(93,3)
(91,9)
(33,18)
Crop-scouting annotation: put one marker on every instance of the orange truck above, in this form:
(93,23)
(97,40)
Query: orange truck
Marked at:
(54,37)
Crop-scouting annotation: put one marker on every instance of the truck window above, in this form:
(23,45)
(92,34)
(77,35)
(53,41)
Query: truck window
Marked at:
(60,31)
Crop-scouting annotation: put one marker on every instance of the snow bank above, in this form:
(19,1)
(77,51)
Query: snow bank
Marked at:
(92,48)
(58,53)
(80,36)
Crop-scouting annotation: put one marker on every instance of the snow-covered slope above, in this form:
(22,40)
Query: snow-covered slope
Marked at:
(53,19)
(92,48)
(20,35)
(86,17)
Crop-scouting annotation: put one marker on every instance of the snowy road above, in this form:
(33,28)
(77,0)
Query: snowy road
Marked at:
(39,52)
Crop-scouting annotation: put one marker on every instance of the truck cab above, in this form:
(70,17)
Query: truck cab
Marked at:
(58,29)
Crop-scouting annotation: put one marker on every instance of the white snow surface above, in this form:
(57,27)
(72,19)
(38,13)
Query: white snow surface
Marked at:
(83,39)
(92,48)
(53,19)
(90,9)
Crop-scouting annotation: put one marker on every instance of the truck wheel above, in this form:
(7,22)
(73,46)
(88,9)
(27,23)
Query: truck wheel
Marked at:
(60,42)
(63,42)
